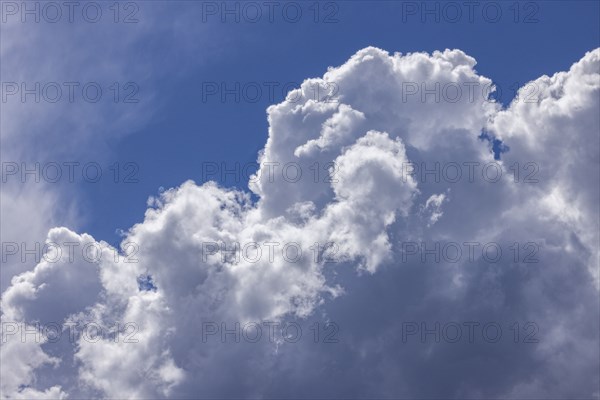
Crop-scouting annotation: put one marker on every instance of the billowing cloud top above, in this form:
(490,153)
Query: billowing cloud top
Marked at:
(369,136)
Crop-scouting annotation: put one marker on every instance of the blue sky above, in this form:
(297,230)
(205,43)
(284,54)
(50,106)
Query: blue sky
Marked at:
(186,131)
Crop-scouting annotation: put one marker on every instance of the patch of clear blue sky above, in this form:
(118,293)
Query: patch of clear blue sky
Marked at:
(188,132)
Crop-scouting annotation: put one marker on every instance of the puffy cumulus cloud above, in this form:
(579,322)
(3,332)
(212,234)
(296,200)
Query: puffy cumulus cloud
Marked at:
(38,304)
(371,91)
(19,360)
(373,210)
(558,130)
(61,284)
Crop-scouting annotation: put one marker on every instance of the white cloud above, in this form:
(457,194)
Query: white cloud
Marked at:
(367,209)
